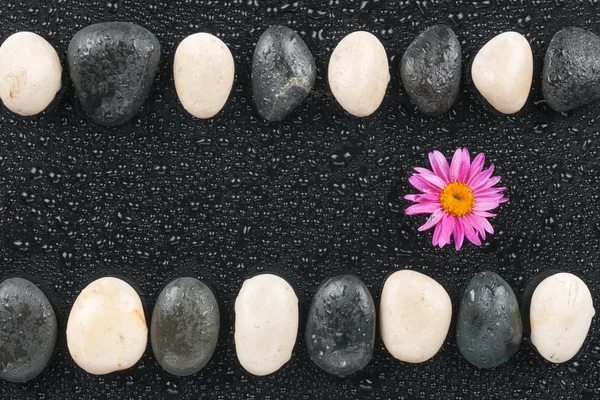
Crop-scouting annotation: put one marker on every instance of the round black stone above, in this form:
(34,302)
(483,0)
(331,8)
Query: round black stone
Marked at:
(488,326)
(28,330)
(112,66)
(430,70)
(283,73)
(340,329)
(571,76)
(185,326)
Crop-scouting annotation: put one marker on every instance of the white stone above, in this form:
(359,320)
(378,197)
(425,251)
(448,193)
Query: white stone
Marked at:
(30,73)
(502,71)
(561,313)
(359,73)
(266,324)
(203,70)
(107,328)
(415,314)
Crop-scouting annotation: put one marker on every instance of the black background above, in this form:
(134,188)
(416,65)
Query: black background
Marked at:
(167,195)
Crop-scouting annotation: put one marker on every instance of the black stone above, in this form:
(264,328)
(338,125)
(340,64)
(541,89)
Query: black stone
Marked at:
(112,67)
(340,329)
(28,330)
(571,76)
(283,72)
(488,325)
(185,326)
(430,70)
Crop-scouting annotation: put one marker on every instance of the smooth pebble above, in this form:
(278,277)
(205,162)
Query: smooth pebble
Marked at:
(266,324)
(30,73)
(560,314)
(359,73)
(502,71)
(28,330)
(106,330)
(415,314)
(185,326)
(203,70)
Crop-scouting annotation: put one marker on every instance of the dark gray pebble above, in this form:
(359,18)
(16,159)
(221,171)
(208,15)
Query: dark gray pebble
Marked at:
(283,72)
(185,326)
(27,330)
(430,70)
(340,330)
(488,326)
(571,76)
(112,66)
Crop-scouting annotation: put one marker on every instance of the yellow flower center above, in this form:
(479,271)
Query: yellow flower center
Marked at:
(457,199)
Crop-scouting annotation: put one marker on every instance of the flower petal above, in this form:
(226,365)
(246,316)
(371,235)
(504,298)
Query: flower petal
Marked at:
(433,220)
(483,222)
(471,235)
(476,166)
(480,178)
(436,234)
(484,214)
(427,183)
(423,171)
(423,208)
(487,184)
(485,205)
(439,164)
(459,233)
(447,228)
(458,165)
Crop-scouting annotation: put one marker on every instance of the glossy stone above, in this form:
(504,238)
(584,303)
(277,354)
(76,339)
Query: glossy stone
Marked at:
(359,73)
(340,328)
(112,66)
(203,70)
(415,314)
(283,72)
(185,326)
(266,324)
(430,70)
(560,315)
(488,326)
(571,76)
(106,330)
(28,330)
(502,71)
(30,73)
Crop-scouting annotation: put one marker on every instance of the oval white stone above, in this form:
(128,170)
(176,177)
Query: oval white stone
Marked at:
(561,313)
(415,314)
(203,70)
(359,73)
(502,71)
(30,73)
(266,324)
(107,328)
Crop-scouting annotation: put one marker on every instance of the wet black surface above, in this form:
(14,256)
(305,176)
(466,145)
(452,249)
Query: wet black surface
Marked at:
(320,193)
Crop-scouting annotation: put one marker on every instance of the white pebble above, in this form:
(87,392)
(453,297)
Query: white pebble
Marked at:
(561,313)
(107,328)
(30,73)
(266,324)
(502,71)
(415,314)
(203,70)
(359,73)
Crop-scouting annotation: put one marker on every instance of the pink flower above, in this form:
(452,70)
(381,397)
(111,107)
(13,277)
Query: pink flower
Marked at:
(458,196)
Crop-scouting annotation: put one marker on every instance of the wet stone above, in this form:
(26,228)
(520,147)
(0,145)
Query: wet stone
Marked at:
(340,329)
(185,326)
(28,330)
(112,66)
(488,327)
(283,72)
(571,76)
(430,70)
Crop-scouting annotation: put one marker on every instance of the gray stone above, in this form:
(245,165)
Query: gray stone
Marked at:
(340,329)
(28,330)
(112,67)
(488,327)
(430,70)
(571,76)
(185,326)
(283,72)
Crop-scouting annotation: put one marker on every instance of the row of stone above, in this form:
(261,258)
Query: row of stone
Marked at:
(113,65)
(107,330)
